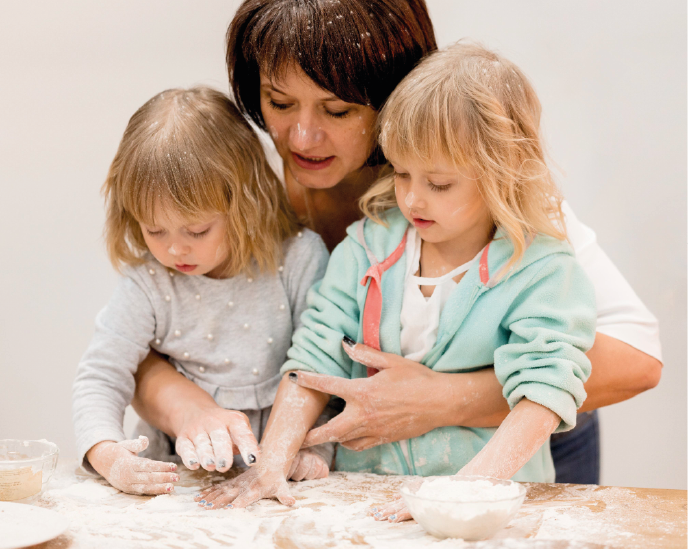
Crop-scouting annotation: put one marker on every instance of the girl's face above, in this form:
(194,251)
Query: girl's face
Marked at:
(321,138)
(193,247)
(441,201)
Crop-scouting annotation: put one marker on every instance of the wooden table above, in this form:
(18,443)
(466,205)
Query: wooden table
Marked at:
(331,513)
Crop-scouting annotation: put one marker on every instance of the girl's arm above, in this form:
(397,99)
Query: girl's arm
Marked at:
(378,407)
(521,434)
(293,413)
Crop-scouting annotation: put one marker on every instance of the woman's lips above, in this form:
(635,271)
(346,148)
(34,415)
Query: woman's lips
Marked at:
(422,223)
(185,268)
(312,162)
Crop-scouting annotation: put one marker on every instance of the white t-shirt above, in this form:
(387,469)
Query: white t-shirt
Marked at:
(620,313)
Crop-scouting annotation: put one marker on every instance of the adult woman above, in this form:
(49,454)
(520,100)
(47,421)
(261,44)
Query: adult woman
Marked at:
(313,74)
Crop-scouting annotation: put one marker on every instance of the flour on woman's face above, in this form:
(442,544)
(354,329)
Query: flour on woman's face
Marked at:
(321,138)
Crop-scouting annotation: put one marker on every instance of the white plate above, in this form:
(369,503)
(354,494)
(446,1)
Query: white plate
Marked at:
(22,525)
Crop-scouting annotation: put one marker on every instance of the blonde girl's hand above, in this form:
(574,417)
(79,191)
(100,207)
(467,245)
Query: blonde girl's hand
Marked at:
(118,463)
(394,511)
(260,482)
(210,437)
(308,465)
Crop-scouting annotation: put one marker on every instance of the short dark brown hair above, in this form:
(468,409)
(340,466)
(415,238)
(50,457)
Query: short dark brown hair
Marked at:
(357,50)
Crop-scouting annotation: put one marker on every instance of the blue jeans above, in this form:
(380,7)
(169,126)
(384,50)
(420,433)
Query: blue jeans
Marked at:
(576,453)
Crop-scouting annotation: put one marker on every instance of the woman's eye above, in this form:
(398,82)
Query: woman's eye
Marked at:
(339,114)
(438,188)
(199,235)
(278,106)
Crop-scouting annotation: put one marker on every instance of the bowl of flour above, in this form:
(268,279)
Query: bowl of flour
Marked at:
(467,507)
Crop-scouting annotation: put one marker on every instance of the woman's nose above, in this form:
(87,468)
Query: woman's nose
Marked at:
(305,135)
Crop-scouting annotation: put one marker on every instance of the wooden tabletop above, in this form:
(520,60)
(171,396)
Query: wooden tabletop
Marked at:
(331,513)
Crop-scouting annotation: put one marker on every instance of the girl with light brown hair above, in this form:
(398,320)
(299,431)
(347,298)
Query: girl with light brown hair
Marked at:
(215,269)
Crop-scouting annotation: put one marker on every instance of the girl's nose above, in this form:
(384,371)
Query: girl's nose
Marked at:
(178,250)
(304,136)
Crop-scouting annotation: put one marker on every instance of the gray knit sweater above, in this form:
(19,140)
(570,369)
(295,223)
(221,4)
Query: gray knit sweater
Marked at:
(230,336)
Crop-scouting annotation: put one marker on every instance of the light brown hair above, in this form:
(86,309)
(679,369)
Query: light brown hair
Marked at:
(473,108)
(359,51)
(193,151)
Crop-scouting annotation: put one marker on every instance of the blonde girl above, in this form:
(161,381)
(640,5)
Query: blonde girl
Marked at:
(214,271)
(462,263)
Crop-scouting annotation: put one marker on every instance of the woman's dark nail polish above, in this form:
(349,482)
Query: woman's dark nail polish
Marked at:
(222,464)
(251,458)
(293,377)
(348,341)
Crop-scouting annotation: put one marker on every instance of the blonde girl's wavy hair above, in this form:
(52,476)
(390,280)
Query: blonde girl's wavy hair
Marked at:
(191,151)
(471,107)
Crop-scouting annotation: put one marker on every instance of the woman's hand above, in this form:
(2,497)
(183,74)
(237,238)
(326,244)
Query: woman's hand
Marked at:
(210,436)
(404,400)
(260,482)
(118,463)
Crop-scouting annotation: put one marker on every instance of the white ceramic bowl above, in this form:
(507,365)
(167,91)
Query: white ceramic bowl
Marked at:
(470,520)
(25,466)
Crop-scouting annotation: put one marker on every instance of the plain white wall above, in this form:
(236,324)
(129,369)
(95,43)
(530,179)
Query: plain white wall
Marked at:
(612,80)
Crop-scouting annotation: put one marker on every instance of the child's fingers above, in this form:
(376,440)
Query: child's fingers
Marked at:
(220,499)
(304,466)
(222,448)
(204,449)
(151,489)
(159,478)
(322,472)
(144,465)
(284,496)
(136,445)
(246,498)
(391,509)
(186,450)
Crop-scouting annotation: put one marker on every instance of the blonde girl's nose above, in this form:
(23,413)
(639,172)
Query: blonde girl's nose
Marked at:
(177,249)
(305,135)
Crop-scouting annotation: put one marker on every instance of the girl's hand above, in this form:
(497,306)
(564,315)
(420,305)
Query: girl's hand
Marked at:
(389,406)
(210,436)
(260,482)
(118,463)
(308,465)
(394,511)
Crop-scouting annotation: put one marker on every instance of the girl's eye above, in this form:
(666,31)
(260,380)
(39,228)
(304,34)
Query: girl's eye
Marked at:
(438,188)
(278,106)
(400,175)
(201,234)
(340,114)
(155,233)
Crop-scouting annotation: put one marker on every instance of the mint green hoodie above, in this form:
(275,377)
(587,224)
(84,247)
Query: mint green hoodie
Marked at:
(534,326)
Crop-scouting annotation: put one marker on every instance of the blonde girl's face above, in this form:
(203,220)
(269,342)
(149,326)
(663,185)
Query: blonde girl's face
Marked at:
(193,247)
(442,202)
(321,138)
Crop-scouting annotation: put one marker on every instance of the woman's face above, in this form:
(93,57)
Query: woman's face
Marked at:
(321,138)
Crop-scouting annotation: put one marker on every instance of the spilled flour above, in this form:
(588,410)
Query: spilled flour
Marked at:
(332,513)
